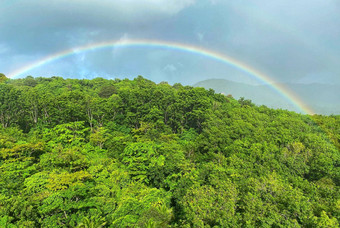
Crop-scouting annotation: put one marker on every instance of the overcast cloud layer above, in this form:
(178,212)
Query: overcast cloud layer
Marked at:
(291,41)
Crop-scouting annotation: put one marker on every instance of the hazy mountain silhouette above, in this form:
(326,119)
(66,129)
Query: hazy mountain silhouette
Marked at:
(322,98)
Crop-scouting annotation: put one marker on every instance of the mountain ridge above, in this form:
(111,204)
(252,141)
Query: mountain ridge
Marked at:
(321,98)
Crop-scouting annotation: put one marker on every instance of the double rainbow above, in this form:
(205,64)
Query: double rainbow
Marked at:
(283,91)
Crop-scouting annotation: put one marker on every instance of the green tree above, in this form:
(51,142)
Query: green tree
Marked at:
(3,78)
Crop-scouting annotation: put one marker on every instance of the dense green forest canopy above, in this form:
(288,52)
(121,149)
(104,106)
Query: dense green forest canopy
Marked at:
(132,153)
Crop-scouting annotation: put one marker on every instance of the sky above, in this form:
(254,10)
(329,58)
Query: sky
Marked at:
(289,41)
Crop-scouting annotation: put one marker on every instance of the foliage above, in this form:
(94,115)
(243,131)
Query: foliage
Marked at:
(132,153)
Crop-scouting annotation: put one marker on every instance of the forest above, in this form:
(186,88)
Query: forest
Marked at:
(133,153)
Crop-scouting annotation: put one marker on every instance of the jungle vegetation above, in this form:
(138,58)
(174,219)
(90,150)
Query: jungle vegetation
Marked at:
(133,153)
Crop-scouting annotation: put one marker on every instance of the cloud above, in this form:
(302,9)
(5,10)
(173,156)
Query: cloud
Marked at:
(286,40)
(170,67)
(36,25)
(200,36)
(66,14)
(145,7)
(214,1)
(122,39)
(4,48)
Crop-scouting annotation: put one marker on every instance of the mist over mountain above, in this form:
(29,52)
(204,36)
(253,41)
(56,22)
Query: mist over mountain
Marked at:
(321,98)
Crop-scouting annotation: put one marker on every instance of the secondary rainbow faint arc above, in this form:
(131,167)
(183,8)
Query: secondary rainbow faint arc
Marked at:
(175,46)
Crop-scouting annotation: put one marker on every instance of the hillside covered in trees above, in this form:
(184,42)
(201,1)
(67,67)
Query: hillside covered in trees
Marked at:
(132,153)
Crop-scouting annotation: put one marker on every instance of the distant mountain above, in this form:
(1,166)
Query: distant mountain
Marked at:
(322,98)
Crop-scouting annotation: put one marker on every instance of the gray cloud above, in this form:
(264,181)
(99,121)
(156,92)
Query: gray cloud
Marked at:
(291,41)
(41,25)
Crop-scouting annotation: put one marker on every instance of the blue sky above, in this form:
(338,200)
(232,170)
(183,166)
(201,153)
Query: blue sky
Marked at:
(290,41)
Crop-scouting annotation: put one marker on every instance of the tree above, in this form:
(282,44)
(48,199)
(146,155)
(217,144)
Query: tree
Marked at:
(11,107)
(3,78)
(132,153)
(140,159)
(99,137)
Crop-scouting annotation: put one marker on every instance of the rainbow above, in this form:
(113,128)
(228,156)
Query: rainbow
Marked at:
(283,91)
